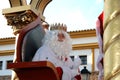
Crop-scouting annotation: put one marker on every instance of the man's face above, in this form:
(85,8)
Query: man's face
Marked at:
(61,37)
(59,42)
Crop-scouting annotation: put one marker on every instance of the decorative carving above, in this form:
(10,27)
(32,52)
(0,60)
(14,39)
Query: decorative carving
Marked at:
(20,14)
(111,40)
(58,27)
(20,19)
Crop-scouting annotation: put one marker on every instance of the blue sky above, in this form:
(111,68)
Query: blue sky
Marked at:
(76,14)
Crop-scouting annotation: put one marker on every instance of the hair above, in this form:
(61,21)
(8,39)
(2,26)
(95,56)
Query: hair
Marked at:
(59,48)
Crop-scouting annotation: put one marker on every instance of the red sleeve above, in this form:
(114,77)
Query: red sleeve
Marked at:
(78,77)
(101,16)
(60,72)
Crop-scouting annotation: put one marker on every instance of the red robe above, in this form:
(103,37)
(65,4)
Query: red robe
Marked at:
(99,33)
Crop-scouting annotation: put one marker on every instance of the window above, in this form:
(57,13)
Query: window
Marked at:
(9,61)
(72,57)
(83,60)
(1,65)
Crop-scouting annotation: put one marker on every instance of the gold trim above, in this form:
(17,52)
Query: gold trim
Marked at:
(75,47)
(111,40)
(83,34)
(43,5)
(19,9)
(85,46)
(20,6)
(74,34)
(114,73)
(7,41)
(111,17)
(7,52)
(14,3)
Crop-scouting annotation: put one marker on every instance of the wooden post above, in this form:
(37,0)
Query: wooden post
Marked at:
(93,60)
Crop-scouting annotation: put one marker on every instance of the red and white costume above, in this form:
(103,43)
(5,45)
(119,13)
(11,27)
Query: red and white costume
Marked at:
(99,33)
(58,53)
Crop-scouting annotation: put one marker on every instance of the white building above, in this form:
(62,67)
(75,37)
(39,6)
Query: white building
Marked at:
(84,45)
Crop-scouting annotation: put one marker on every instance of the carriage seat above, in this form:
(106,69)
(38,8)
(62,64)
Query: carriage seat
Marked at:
(32,41)
(29,40)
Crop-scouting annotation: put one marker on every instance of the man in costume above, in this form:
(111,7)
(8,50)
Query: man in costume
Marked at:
(99,33)
(56,49)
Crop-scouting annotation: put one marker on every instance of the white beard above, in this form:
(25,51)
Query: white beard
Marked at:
(59,48)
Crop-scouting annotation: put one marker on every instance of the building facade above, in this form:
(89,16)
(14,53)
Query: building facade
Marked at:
(84,42)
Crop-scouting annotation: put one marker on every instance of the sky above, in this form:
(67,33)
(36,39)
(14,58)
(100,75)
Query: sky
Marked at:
(76,14)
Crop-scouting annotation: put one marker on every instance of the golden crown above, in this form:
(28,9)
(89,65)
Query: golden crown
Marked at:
(58,27)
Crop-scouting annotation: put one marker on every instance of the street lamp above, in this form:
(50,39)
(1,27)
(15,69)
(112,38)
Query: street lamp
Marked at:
(85,74)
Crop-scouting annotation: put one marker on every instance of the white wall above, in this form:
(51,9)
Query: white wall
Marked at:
(86,52)
(84,40)
(7,47)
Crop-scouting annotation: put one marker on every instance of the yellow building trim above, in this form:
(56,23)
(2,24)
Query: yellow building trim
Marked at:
(85,46)
(73,34)
(4,41)
(7,52)
(83,34)
(75,47)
